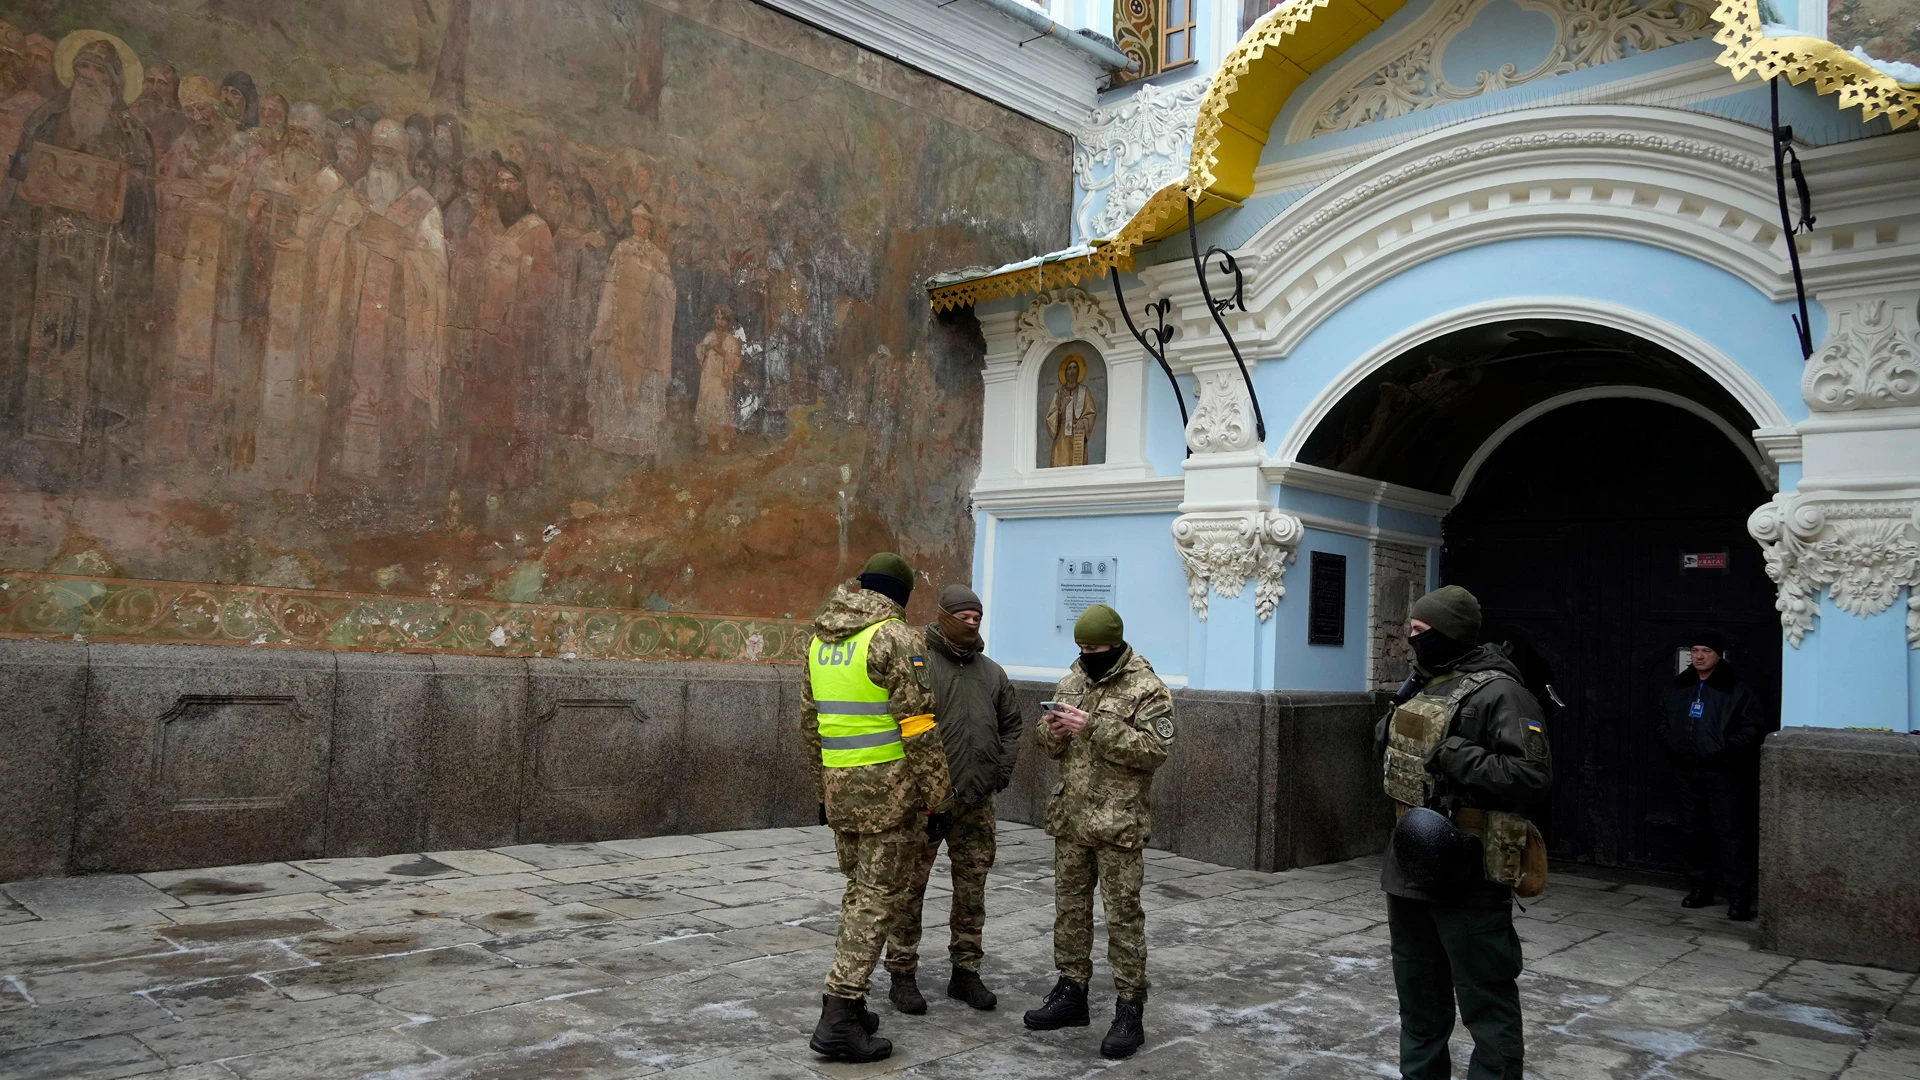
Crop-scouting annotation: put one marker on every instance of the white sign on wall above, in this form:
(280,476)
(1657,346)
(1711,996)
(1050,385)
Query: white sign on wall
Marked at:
(1085,580)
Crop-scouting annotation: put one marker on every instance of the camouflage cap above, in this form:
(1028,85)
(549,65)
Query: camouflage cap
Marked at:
(1099,625)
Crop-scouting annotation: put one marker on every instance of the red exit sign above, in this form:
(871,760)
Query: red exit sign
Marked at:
(1703,560)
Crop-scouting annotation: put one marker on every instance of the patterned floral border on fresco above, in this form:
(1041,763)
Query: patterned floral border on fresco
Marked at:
(175,612)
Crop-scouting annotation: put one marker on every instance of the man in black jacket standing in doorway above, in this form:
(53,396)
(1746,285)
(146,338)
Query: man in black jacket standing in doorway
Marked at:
(1711,725)
(980,729)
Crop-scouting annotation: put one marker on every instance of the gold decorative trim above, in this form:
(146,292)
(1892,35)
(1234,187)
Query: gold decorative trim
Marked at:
(61,606)
(1212,185)
(1833,70)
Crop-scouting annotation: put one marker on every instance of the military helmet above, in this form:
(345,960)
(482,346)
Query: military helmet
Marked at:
(1432,852)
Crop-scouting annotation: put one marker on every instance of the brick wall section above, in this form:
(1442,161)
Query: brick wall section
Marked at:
(1399,578)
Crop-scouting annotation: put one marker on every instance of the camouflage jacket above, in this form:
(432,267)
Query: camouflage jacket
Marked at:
(1106,772)
(875,798)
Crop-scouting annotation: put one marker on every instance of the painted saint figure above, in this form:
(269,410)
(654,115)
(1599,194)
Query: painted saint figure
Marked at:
(505,414)
(720,360)
(633,344)
(18,98)
(1071,414)
(80,268)
(393,395)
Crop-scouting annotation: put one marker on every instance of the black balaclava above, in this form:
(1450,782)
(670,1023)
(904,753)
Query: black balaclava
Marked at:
(1097,664)
(888,586)
(1436,652)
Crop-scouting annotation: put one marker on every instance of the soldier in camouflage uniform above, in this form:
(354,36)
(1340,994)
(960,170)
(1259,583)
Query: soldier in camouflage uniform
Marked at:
(1111,728)
(980,728)
(881,775)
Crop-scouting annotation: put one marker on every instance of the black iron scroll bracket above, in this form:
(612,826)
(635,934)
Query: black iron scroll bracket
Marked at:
(1784,159)
(1238,302)
(1154,340)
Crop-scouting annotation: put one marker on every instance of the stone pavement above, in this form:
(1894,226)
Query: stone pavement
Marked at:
(701,957)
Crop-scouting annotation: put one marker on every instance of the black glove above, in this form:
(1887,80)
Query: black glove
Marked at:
(823,813)
(938,826)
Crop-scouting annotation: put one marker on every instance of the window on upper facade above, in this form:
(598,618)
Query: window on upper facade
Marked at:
(1176,34)
(1157,35)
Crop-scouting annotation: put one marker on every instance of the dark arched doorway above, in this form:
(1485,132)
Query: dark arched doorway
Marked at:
(1572,531)
(1573,535)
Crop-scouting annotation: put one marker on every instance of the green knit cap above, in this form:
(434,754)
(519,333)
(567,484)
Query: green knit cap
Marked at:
(1452,610)
(1099,625)
(886,562)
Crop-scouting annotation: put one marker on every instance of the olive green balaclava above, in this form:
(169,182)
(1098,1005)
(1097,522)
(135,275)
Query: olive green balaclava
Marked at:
(1099,625)
(1451,610)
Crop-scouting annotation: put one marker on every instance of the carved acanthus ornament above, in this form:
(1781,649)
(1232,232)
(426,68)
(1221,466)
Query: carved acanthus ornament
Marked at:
(1143,142)
(1586,33)
(1223,421)
(1090,320)
(1871,358)
(1222,551)
(1862,551)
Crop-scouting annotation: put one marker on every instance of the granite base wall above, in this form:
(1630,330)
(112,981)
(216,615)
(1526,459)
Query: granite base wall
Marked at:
(133,758)
(1840,846)
(1262,781)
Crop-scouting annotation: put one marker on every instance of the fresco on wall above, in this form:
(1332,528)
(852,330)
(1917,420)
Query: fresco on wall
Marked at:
(1885,29)
(1073,407)
(590,304)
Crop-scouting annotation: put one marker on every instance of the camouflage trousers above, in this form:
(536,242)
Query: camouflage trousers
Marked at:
(970,848)
(879,869)
(1119,873)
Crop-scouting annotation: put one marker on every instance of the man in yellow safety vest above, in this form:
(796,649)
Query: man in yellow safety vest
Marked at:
(882,781)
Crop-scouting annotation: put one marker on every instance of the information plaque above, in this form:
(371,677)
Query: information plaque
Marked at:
(1085,580)
(1327,600)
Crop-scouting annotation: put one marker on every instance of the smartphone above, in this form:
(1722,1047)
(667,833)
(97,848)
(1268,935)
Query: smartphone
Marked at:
(1049,706)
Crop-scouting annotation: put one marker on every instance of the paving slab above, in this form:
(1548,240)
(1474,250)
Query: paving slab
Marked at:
(223,884)
(93,894)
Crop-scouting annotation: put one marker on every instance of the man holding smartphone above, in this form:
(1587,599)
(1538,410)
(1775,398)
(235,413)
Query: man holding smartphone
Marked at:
(1110,728)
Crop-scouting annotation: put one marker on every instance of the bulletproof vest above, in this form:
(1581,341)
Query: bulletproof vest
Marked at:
(1422,724)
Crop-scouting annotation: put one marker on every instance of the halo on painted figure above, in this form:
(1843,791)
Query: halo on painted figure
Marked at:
(133,73)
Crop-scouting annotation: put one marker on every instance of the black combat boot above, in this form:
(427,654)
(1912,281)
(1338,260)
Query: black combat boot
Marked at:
(841,1036)
(1126,1034)
(1701,896)
(1741,909)
(1066,1006)
(905,993)
(867,1020)
(966,986)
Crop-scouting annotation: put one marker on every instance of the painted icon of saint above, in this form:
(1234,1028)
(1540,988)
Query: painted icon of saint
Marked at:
(1071,414)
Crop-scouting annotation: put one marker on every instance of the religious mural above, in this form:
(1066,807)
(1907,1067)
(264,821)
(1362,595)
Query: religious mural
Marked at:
(594,304)
(1073,402)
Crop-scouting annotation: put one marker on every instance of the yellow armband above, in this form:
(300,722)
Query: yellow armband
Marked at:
(916,725)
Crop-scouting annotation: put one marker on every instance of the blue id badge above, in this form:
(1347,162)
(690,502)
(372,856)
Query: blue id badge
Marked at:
(1698,709)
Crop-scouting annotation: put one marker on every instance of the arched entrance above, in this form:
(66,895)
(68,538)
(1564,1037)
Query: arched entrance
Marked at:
(1588,463)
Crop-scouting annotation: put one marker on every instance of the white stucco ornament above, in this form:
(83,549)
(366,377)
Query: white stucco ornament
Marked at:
(1090,320)
(1222,551)
(1222,422)
(1585,33)
(1131,149)
(1863,551)
(1871,358)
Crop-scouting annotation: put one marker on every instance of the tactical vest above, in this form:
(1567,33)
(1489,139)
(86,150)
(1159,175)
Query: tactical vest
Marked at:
(1422,724)
(856,721)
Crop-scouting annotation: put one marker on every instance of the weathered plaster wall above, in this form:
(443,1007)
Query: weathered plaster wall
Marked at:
(694,373)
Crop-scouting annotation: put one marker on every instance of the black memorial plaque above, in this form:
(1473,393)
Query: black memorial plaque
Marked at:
(1327,600)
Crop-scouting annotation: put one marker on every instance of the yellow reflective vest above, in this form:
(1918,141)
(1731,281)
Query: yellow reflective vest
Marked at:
(856,722)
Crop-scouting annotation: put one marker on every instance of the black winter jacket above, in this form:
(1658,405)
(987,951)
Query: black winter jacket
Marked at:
(1494,758)
(978,716)
(1726,734)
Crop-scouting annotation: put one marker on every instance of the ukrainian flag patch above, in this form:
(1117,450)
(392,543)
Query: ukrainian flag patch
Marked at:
(1533,726)
(918,662)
